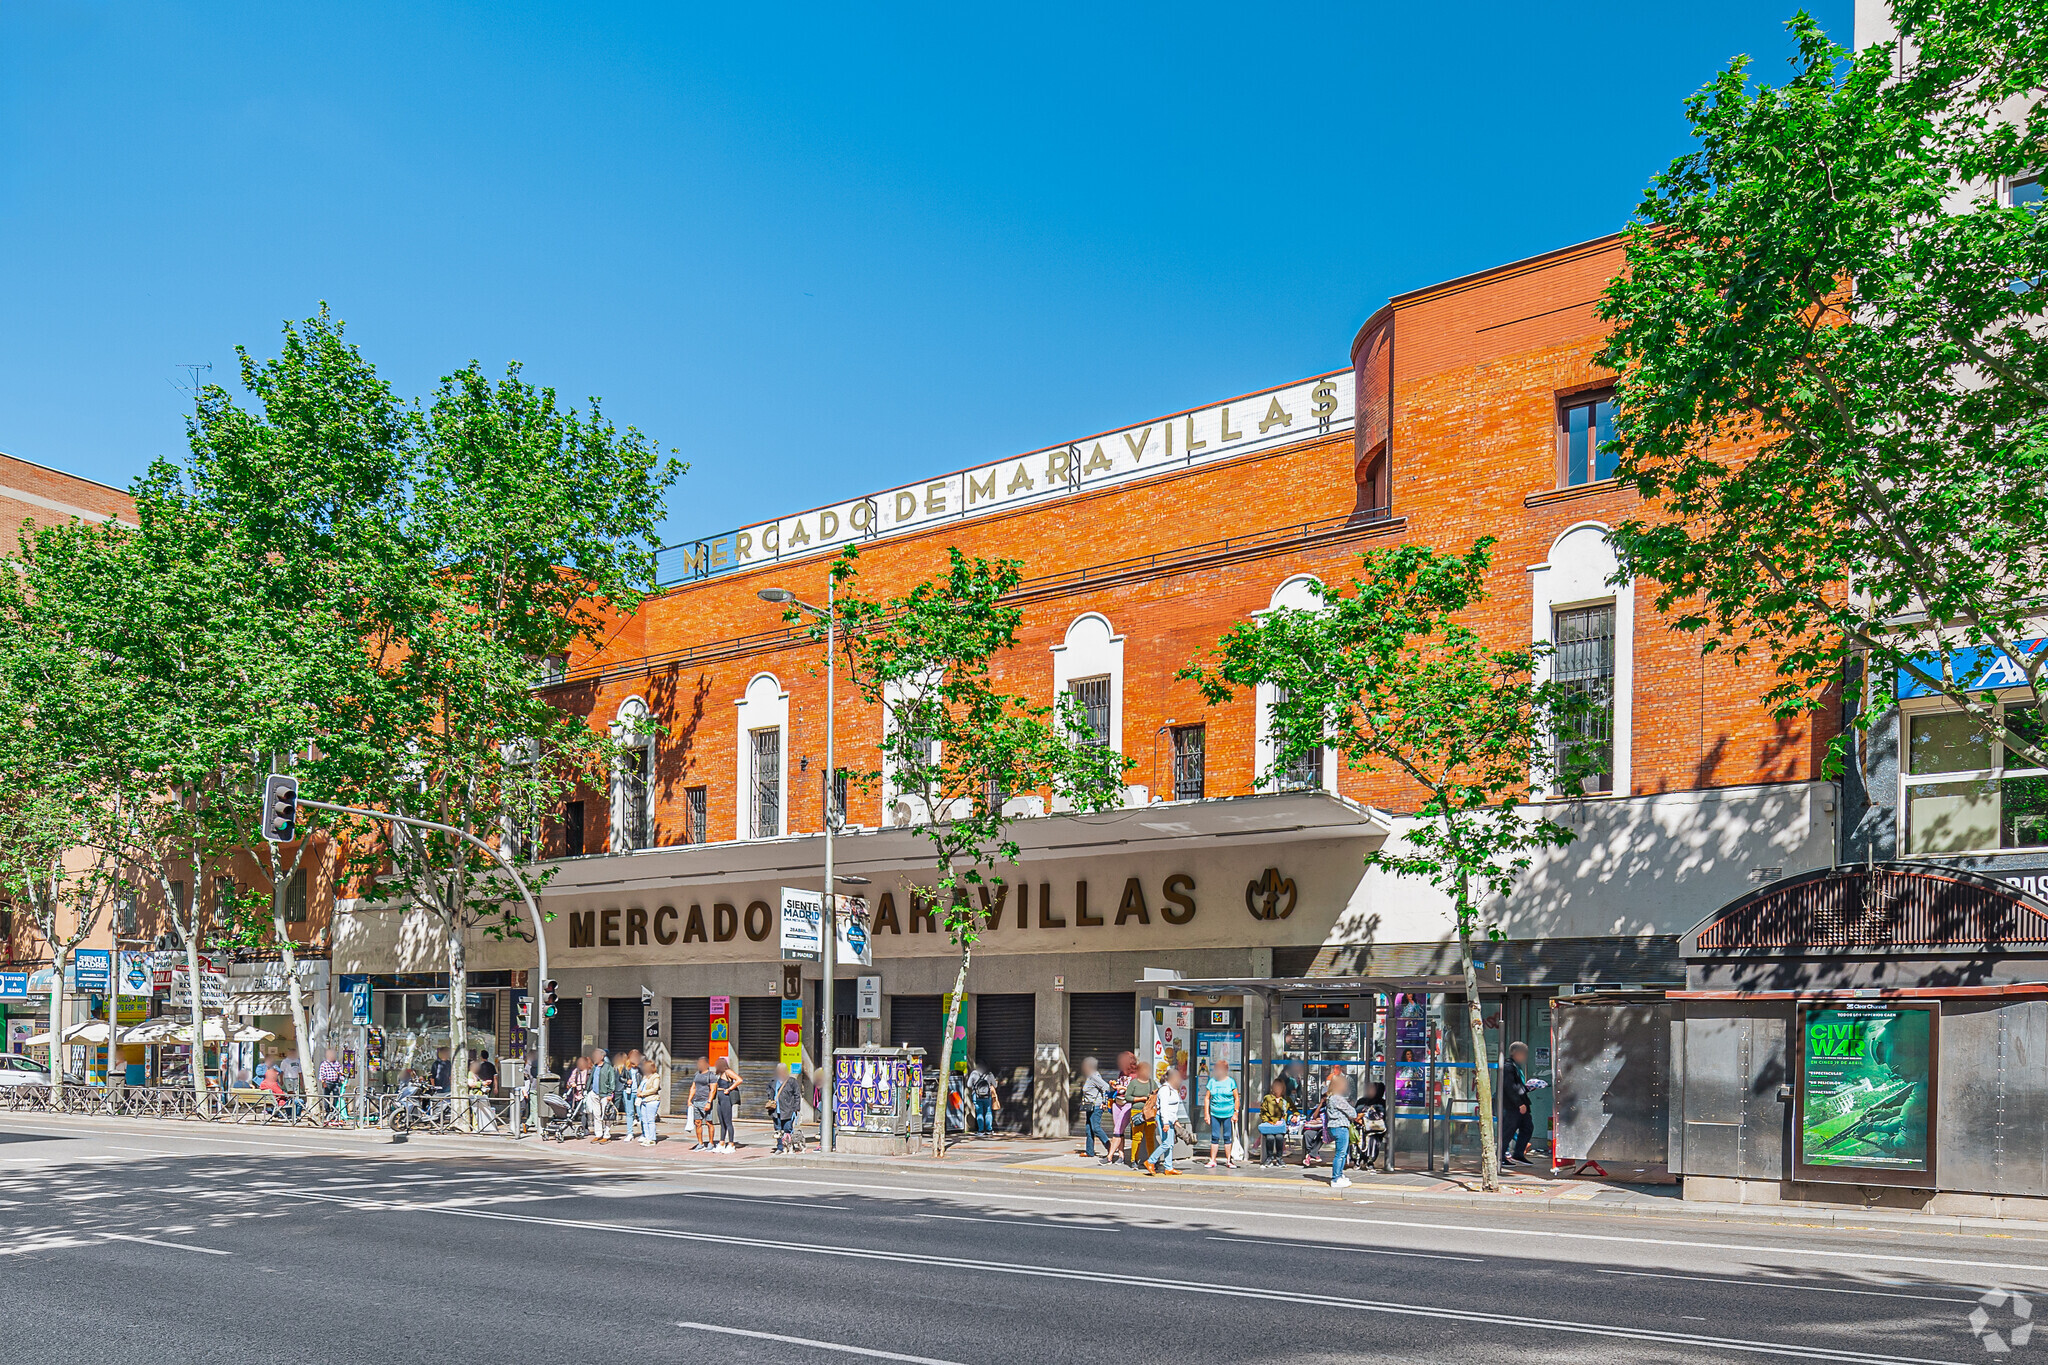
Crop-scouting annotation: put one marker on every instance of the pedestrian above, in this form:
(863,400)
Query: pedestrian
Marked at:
(981,1088)
(1521,1125)
(578,1083)
(1097,1097)
(785,1102)
(1339,1116)
(1141,1092)
(1222,1112)
(443,1072)
(330,1076)
(1273,1123)
(483,1084)
(726,1095)
(1120,1107)
(603,1080)
(1171,1112)
(629,1076)
(648,1095)
(703,1086)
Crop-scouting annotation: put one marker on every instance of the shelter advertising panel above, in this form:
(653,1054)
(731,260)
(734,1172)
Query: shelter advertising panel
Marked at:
(1865,1092)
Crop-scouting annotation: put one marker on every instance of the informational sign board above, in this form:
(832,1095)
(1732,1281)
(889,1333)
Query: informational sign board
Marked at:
(792,1033)
(721,1027)
(867,997)
(650,1020)
(360,998)
(1866,1090)
(803,916)
(94,970)
(1173,1038)
(13,985)
(1211,1044)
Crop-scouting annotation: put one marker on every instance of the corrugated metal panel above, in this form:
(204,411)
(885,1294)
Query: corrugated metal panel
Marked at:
(1851,908)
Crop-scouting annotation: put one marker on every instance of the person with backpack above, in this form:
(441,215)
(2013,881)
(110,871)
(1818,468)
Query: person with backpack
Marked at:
(981,1089)
(785,1102)
(1170,1115)
(1097,1096)
(604,1079)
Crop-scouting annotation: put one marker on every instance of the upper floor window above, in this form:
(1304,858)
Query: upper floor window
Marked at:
(765,780)
(1092,694)
(837,797)
(634,793)
(1297,774)
(2025,193)
(1584,423)
(572,829)
(1584,666)
(694,810)
(1960,797)
(1188,771)
(295,898)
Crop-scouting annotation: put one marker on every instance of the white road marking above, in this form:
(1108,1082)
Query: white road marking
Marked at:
(174,1246)
(756,1203)
(1768,1283)
(1016,1222)
(1367,1251)
(1513,1322)
(1494,1230)
(840,1347)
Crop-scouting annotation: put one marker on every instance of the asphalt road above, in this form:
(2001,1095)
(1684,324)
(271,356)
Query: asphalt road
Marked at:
(159,1245)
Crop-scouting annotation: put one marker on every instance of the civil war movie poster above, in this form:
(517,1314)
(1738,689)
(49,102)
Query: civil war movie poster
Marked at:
(1867,1091)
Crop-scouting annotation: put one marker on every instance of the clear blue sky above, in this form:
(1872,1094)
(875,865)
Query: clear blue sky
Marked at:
(821,250)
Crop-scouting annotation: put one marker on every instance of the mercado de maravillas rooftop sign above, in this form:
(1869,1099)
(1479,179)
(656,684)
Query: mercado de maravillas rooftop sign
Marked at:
(1302,411)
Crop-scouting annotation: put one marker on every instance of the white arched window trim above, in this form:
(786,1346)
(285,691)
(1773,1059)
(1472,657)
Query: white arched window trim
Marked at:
(632,811)
(1577,574)
(763,706)
(1091,648)
(1295,594)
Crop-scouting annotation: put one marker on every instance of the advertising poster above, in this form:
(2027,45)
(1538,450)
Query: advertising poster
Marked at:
(1173,1038)
(93,970)
(960,1059)
(803,917)
(1866,1088)
(792,1033)
(721,1027)
(856,941)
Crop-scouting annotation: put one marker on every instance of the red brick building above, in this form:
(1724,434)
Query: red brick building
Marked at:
(1471,408)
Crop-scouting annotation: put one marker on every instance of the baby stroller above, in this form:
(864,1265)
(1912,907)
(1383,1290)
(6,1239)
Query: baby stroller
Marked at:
(1372,1123)
(562,1119)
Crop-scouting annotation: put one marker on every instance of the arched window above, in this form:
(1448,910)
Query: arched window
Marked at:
(633,778)
(1589,623)
(761,788)
(1308,772)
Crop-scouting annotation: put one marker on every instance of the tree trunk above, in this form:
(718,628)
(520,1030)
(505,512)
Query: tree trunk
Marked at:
(946,1054)
(1489,1136)
(57,955)
(458,1018)
(198,1009)
(309,1074)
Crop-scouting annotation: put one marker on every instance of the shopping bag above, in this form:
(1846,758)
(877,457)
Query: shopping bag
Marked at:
(1237,1149)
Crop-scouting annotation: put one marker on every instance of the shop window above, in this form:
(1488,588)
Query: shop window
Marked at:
(765,781)
(294,898)
(695,804)
(572,829)
(1188,773)
(1092,695)
(1960,794)
(1584,424)
(1583,666)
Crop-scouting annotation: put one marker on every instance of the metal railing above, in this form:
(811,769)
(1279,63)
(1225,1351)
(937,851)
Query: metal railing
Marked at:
(491,1115)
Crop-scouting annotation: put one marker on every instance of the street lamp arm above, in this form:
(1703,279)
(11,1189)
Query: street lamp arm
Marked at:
(540,937)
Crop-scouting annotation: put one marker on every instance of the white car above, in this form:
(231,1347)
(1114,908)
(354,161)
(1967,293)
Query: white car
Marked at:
(16,1069)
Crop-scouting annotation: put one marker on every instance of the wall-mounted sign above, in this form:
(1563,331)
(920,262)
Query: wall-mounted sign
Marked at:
(792,1053)
(1271,896)
(1971,667)
(13,985)
(1305,411)
(721,1027)
(1865,1090)
(803,918)
(867,996)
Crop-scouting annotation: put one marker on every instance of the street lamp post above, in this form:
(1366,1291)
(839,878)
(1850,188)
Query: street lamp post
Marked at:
(828,948)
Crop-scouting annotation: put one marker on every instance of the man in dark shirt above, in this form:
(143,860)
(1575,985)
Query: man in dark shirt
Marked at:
(1520,1125)
(441,1071)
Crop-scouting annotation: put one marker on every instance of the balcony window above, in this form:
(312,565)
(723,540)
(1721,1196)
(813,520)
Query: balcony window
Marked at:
(633,793)
(765,781)
(1584,425)
(1583,666)
(694,804)
(1093,696)
(1960,794)
(1188,773)
(1298,774)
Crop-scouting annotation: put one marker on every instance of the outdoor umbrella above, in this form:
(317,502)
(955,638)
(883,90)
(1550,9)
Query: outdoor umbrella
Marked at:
(92,1031)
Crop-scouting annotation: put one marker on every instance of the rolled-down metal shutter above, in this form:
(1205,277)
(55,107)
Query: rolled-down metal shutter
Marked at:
(1100,1024)
(1003,1041)
(760,1030)
(689,1027)
(565,1035)
(914,1022)
(623,1025)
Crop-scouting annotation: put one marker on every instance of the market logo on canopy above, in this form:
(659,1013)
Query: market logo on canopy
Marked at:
(1264,896)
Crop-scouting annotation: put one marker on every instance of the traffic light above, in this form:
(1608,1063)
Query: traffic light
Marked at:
(525,1013)
(280,808)
(549,1001)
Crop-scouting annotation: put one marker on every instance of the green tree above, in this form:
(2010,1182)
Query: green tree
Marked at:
(1833,367)
(1386,673)
(958,744)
